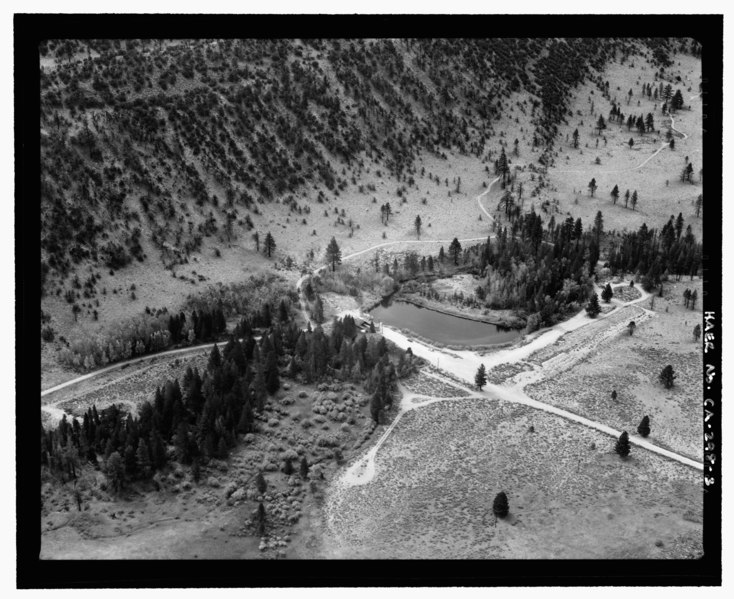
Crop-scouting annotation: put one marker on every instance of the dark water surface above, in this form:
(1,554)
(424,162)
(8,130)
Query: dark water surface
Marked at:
(442,328)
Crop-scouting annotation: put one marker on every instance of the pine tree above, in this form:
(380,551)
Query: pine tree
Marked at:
(598,225)
(215,360)
(650,122)
(501,506)
(269,245)
(593,308)
(260,483)
(115,472)
(677,101)
(256,237)
(480,378)
(614,395)
(592,187)
(622,447)
(455,250)
(576,138)
(318,310)
(259,389)
(633,199)
(375,407)
(631,142)
(626,197)
(667,376)
(615,194)
(272,378)
(644,427)
(333,254)
(142,456)
(607,294)
(600,125)
(679,222)
(418,226)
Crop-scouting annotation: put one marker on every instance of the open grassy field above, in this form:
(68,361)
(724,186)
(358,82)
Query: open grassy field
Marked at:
(570,495)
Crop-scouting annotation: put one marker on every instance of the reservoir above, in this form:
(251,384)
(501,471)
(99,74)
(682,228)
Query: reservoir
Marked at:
(442,328)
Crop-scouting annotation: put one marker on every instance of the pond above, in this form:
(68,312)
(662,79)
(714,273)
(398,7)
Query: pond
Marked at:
(440,327)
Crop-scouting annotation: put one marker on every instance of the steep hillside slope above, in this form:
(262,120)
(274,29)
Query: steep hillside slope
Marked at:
(161,159)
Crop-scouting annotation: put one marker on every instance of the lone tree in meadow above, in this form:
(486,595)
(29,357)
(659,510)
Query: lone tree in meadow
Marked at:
(644,427)
(269,244)
(697,332)
(615,194)
(480,378)
(418,224)
(576,138)
(631,327)
(667,376)
(333,253)
(614,395)
(631,143)
(592,187)
(455,250)
(607,294)
(501,506)
(622,447)
(593,308)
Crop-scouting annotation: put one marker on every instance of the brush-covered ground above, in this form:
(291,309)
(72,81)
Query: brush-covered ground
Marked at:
(570,495)
(176,517)
(631,366)
(440,190)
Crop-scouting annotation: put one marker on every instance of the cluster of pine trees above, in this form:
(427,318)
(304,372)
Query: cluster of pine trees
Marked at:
(144,335)
(654,254)
(540,270)
(202,415)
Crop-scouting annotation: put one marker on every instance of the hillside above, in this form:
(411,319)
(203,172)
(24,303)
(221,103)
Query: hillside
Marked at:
(162,159)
